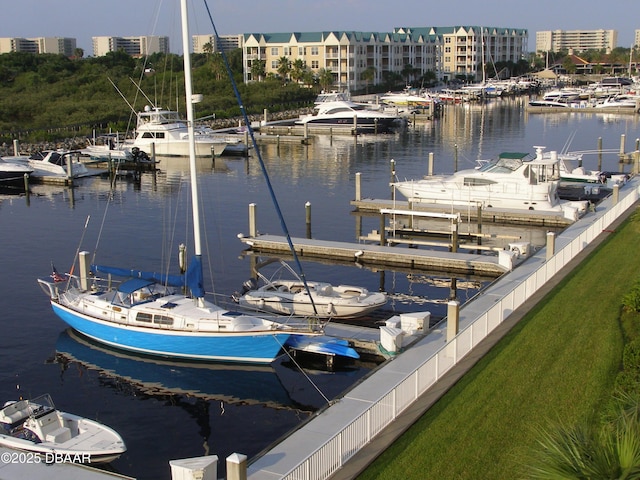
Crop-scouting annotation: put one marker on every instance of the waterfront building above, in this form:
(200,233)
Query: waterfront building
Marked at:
(134,46)
(448,52)
(576,40)
(59,45)
(224,43)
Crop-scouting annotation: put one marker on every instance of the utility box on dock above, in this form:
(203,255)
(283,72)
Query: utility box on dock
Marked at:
(412,322)
(391,339)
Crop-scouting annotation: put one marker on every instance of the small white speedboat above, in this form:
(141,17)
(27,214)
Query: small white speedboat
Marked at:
(36,426)
(287,296)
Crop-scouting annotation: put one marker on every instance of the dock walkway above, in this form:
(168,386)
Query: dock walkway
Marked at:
(464,263)
(341,440)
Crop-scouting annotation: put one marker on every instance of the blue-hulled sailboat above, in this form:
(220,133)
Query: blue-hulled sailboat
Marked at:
(164,315)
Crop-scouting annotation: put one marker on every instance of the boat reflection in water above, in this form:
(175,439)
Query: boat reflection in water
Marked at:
(278,385)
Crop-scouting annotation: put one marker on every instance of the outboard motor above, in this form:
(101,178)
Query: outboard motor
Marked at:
(249,285)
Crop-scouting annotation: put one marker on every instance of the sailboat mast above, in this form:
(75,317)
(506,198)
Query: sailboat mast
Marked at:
(190,128)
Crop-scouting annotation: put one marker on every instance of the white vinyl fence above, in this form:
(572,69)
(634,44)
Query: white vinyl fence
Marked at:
(359,419)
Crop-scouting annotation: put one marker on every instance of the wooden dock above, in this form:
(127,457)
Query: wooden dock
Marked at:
(413,258)
(487,215)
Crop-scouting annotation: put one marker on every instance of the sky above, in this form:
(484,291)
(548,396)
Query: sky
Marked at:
(83,19)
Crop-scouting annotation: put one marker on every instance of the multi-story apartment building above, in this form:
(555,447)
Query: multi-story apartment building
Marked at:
(224,43)
(636,41)
(134,46)
(576,40)
(448,52)
(59,45)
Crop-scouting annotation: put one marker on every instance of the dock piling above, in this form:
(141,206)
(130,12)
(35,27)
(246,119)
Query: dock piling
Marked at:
(551,245)
(237,466)
(453,319)
(253,229)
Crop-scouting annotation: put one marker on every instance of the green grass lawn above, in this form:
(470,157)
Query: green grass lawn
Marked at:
(557,364)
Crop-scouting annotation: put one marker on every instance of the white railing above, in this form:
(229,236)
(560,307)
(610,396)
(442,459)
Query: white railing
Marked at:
(327,459)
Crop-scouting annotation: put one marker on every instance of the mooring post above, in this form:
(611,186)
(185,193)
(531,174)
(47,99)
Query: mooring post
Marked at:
(265,114)
(551,245)
(26,183)
(454,236)
(430,172)
(253,229)
(599,153)
(237,467)
(383,240)
(355,125)
(358,186)
(16,147)
(307,218)
(636,161)
(453,319)
(616,194)
(479,220)
(622,142)
(455,158)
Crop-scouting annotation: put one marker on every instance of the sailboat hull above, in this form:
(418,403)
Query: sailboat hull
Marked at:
(261,347)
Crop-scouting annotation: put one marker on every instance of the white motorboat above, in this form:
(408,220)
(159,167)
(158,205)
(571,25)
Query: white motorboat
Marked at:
(56,163)
(36,426)
(349,114)
(166,134)
(513,180)
(571,170)
(12,171)
(289,296)
(410,98)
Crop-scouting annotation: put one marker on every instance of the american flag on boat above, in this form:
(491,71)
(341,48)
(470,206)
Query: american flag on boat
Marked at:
(56,276)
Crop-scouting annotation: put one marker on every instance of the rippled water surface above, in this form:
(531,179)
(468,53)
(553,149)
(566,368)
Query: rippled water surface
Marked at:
(168,410)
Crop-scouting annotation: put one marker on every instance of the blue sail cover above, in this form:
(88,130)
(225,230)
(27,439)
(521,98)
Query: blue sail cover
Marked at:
(192,279)
(195,281)
(165,279)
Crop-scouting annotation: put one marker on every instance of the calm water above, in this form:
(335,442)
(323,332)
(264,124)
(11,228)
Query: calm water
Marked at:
(166,411)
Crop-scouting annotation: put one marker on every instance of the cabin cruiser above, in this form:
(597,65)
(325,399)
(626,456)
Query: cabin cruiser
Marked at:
(164,133)
(349,114)
(513,180)
(11,172)
(57,164)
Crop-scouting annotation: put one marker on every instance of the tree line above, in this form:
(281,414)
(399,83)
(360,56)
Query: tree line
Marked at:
(46,95)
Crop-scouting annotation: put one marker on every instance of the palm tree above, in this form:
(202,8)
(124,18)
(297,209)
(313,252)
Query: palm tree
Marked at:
(258,70)
(284,67)
(586,451)
(368,76)
(325,78)
(298,69)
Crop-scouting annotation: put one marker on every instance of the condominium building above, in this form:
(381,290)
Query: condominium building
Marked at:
(576,40)
(58,45)
(636,41)
(224,43)
(448,52)
(134,46)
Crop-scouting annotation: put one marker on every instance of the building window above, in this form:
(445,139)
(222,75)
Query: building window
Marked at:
(274,51)
(287,51)
(314,50)
(315,64)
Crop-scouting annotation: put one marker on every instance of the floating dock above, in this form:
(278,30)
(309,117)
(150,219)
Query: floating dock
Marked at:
(462,263)
(489,215)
